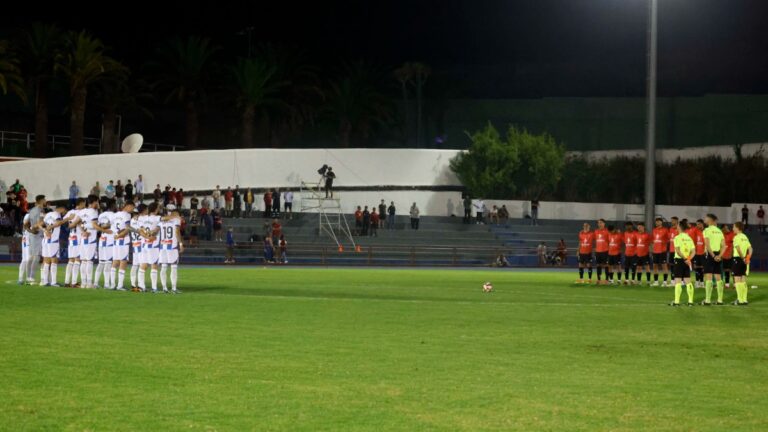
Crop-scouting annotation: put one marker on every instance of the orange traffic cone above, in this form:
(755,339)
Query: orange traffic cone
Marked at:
(341,248)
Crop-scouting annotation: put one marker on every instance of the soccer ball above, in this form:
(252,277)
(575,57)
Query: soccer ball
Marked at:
(487,287)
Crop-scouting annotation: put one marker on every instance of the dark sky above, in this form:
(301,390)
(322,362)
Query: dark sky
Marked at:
(494,48)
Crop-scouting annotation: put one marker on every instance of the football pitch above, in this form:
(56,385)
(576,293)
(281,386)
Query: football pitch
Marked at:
(301,349)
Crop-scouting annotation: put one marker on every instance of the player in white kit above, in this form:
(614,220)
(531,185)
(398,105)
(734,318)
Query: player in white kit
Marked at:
(73,245)
(35,220)
(150,248)
(170,247)
(136,247)
(88,220)
(121,227)
(52,223)
(106,244)
(25,261)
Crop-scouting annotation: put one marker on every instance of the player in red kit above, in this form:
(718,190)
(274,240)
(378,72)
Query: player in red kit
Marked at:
(699,258)
(728,234)
(642,246)
(630,253)
(586,241)
(601,250)
(659,235)
(615,238)
(671,234)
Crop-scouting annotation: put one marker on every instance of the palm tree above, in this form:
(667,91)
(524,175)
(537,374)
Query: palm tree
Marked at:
(254,86)
(39,46)
(114,94)
(420,74)
(83,62)
(357,102)
(184,70)
(404,76)
(10,74)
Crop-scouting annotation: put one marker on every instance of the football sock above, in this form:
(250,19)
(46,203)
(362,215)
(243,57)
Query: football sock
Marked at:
(54,272)
(647,276)
(174,276)
(707,291)
(89,273)
(32,267)
(720,291)
(112,277)
(678,292)
(68,273)
(44,274)
(581,273)
(599,273)
(618,273)
(142,282)
(727,277)
(99,271)
(75,272)
(120,278)
(689,288)
(665,277)
(589,273)
(608,275)
(23,271)
(134,276)
(153,278)
(163,273)
(655,277)
(741,291)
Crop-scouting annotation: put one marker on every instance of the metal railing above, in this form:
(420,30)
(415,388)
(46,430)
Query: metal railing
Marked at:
(26,140)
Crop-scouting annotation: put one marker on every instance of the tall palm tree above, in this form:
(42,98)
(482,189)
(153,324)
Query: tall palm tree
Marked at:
(82,63)
(115,94)
(253,87)
(404,76)
(39,45)
(184,71)
(420,74)
(10,74)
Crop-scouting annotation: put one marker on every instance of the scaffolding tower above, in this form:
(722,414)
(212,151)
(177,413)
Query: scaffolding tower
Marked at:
(331,220)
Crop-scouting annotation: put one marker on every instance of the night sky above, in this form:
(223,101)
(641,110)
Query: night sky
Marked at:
(531,48)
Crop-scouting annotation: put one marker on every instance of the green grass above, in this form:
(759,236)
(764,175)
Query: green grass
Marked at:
(374,350)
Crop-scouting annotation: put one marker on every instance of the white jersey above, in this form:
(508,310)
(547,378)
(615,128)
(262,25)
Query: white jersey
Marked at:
(73,233)
(169,240)
(105,221)
(25,235)
(151,222)
(88,233)
(136,240)
(120,221)
(50,220)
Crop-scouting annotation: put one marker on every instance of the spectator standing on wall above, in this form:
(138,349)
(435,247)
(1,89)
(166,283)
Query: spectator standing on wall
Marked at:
(74,193)
(479,208)
(194,204)
(119,194)
(139,187)
(157,194)
(237,199)
(180,198)
(503,214)
(228,200)
(391,216)
(216,197)
(329,177)
(761,219)
(276,204)
(467,209)
(129,191)
(206,203)
(375,223)
(495,215)
(366,221)
(415,215)
(744,215)
(17,187)
(96,190)
(535,211)
(267,204)
(358,221)
(288,200)
(168,196)
(382,214)
(248,198)
(207,217)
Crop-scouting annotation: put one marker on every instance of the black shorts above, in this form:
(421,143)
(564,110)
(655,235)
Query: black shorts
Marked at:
(289,206)
(727,264)
(643,260)
(711,266)
(614,260)
(698,260)
(630,261)
(680,269)
(739,267)
(601,258)
(660,258)
(585,258)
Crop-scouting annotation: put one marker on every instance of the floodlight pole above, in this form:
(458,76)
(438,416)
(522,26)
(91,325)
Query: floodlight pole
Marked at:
(650,125)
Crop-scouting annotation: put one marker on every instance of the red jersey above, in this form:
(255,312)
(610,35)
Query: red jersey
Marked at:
(614,243)
(728,252)
(630,243)
(643,243)
(374,218)
(698,239)
(586,239)
(601,240)
(660,237)
(671,234)
(277,229)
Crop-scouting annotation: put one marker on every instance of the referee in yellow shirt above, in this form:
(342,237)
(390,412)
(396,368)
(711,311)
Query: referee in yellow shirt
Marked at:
(714,244)
(684,251)
(742,252)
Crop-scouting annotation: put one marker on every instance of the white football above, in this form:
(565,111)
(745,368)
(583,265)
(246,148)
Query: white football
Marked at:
(487,287)
(132,143)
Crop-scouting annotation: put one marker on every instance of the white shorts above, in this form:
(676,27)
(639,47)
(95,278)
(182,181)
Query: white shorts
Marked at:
(151,255)
(137,256)
(73,249)
(169,256)
(88,252)
(35,247)
(24,252)
(50,250)
(120,252)
(105,252)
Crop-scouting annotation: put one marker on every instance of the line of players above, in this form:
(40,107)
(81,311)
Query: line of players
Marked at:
(138,235)
(714,256)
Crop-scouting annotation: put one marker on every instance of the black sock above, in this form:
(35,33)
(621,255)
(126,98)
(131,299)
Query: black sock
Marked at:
(626,273)
(647,276)
(619,275)
(581,272)
(655,277)
(589,272)
(665,277)
(599,273)
(727,277)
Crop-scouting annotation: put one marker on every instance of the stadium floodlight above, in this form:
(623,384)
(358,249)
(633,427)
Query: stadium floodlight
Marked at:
(650,125)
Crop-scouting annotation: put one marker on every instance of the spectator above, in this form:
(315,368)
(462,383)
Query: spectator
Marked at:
(139,188)
(358,221)
(503,214)
(217,225)
(414,217)
(535,212)
(277,230)
(194,204)
(206,204)
(562,251)
(745,215)
(501,261)
(237,201)
(366,221)
(74,193)
(761,219)
(479,208)
(267,204)
(194,228)
(120,194)
(283,250)
(180,198)
(276,204)
(216,196)
(269,251)
(267,229)
(129,191)
(375,223)
(230,258)
(288,203)
(382,214)
(248,202)
(110,190)
(541,251)
(207,217)
(17,187)
(228,199)
(157,194)
(168,196)
(391,216)
(95,190)
(467,209)
(495,215)
(329,177)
